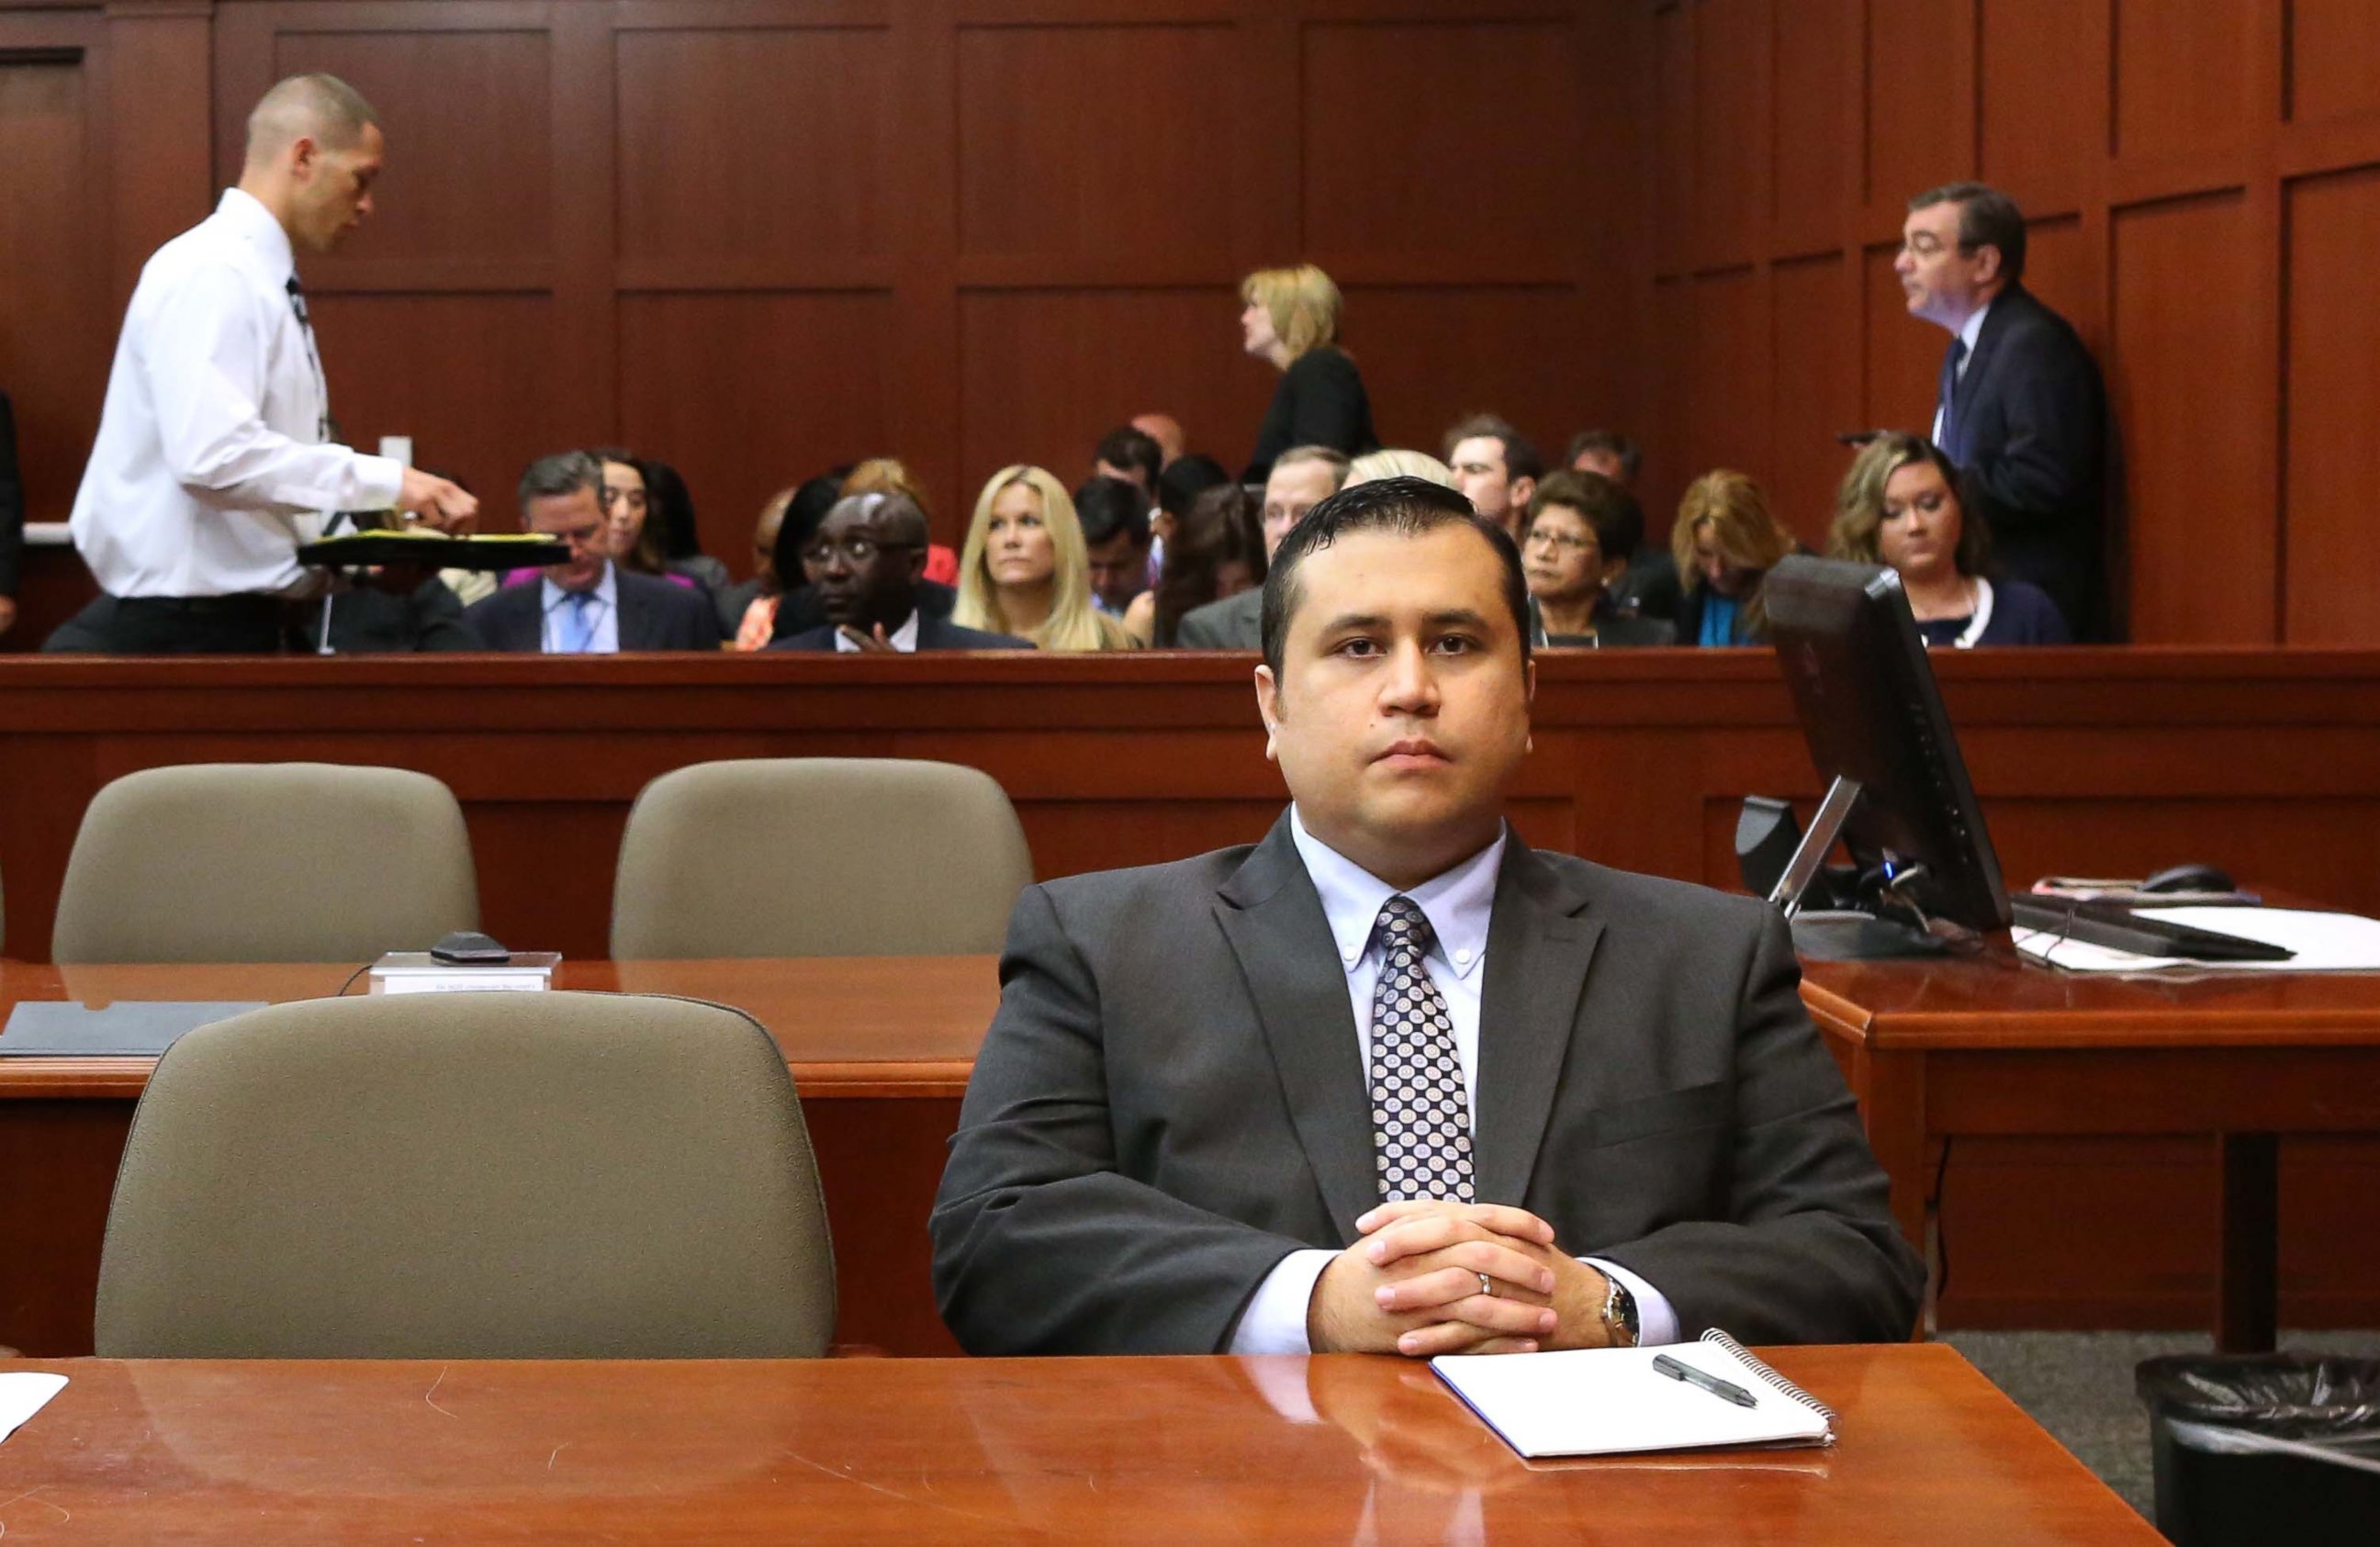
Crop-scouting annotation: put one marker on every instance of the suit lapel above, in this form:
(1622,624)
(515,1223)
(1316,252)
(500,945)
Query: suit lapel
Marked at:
(1537,956)
(1272,918)
(636,622)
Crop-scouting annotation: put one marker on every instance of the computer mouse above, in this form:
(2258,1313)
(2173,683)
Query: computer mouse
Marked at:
(2188,877)
(470,947)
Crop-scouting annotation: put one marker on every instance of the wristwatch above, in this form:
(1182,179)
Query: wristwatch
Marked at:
(1619,1318)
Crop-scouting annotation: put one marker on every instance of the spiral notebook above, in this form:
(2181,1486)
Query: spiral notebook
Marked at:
(1607,1401)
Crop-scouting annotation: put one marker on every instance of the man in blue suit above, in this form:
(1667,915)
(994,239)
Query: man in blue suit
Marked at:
(2021,407)
(586,604)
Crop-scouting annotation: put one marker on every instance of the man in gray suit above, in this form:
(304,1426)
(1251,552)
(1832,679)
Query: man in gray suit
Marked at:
(1301,477)
(1391,1080)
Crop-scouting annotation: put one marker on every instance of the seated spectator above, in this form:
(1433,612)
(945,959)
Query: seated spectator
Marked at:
(1289,317)
(402,610)
(1219,553)
(1117,536)
(587,604)
(749,608)
(1648,588)
(1496,468)
(1397,463)
(1166,430)
(1726,538)
(670,515)
(1131,455)
(1581,527)
(627,508)
(1302,478)
(1606,452)
(1024,571)
(887,475)
(1184,479)
(865,563)
(1902,504)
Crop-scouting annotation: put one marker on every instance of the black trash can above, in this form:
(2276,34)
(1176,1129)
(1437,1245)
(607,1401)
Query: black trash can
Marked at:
(2262,1448)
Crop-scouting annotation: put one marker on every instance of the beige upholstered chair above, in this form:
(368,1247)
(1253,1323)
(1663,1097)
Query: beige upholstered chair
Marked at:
(265,862)
(823,856)
(469,1176)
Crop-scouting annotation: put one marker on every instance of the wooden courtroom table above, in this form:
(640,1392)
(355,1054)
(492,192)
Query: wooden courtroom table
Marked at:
(1987,1046)
(1289,1450)
(879,1049)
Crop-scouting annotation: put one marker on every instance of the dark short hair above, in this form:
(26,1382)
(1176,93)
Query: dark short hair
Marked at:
(1617,519)
(1631,456)
(804,513)
(1987,218)
(562,473)
(1521,458)
(1107,506)
(1184,479)
(1409,507)
(1127,447)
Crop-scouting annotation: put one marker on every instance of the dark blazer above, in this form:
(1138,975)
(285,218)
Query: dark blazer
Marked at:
(1236,622)
(800,610)
(367,621)
(12,502)
(1320,401)
(1172,1099)
(655,614)
(2029,428)
(933,633)
(1612,631)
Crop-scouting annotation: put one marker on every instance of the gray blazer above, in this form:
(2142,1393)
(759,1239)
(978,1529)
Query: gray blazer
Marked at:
(1172,1099)
(1236,622)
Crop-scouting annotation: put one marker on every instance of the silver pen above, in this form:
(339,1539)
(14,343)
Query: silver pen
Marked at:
(1677,1370)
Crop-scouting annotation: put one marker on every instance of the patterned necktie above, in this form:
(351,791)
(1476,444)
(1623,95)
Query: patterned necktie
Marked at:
(1421,1117)
(574,629)
(1947,395)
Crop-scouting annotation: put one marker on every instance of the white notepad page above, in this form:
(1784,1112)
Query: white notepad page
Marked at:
(23,1393)
(1605,1401)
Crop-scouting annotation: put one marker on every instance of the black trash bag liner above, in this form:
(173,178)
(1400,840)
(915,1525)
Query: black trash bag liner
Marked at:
(2259,1448)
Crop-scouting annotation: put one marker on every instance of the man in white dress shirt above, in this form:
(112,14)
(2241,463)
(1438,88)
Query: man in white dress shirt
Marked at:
(213,460)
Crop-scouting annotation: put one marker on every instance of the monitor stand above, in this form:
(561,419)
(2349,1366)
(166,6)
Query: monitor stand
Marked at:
(1847,935)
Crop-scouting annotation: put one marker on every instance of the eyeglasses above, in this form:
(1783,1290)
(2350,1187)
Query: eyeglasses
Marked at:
(854,551)
(1561,541)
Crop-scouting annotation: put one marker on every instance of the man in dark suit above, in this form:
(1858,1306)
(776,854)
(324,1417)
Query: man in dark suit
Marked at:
(864,564)
(2020,407)
(586,605)
(1391,1080)
(1301,477)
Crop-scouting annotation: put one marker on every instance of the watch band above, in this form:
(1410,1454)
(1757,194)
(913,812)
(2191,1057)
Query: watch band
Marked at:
(1620,1320)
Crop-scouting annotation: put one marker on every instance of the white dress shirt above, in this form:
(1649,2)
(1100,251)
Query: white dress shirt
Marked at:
(904,639)
(1458,904)
(1969,331)
(604,613)
(210,468)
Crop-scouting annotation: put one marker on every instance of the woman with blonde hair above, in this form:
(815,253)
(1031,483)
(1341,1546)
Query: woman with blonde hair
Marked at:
(1398,463)
(1725,543)
(1289,317)
(1024,570)
(1903,504)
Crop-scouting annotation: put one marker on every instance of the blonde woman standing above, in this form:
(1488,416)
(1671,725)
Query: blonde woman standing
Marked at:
(1289,317)
(1024,570)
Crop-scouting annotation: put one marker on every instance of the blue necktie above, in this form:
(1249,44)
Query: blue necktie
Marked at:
(1948,396)
(574,631)
(1420,1114)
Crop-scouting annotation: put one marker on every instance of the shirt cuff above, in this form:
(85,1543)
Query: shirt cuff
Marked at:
(1274,1321)
(382,479)
(1657,1319)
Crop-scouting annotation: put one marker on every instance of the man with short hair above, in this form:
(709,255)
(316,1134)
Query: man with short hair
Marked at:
(1605,451)
(1391,1081)
(865,561)
(1116,535)
(1301,477)
(586,604)
(215,456)
(1648,587)
(1132,456)
(1166,430)
(1496,467)
(2020,407)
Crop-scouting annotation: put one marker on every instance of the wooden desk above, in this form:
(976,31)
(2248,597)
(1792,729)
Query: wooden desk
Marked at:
(1990,1047)
(994,1450)
(879,1049)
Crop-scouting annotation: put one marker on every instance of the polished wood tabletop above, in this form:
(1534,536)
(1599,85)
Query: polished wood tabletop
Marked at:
(850,1025)
(1336,1449)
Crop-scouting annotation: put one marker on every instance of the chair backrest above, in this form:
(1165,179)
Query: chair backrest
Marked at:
(818,856)
(469,1176)
(265,862)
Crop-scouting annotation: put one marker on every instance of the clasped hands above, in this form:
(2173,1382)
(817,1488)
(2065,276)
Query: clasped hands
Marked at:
(1410,1285)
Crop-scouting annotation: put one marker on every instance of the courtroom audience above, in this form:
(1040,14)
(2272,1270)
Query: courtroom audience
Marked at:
(1399,463)
(865,562)
(890,475)
(1648,587)
(1184,479)
(1727,540)
(1117,536)
(1132,456)
(670,506)
(1581,528)
(1024,571)
(627,508)
(1218,552)
(587,604)
(752,604)
(1903,504)
(1289,317)
(1301,477)
(1166,430)
(1496,468)
(401,609)
(2018,405)
(799,609)
(1606,452)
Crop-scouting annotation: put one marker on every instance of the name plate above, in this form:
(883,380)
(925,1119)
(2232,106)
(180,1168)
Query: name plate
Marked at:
(417,972)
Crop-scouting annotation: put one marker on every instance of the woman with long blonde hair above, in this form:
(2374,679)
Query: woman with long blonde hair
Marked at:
(1289,317)
(1725,541)
(1025,571)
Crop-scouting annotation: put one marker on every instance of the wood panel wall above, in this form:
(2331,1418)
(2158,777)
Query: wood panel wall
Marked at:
(2201,178)
(760,237)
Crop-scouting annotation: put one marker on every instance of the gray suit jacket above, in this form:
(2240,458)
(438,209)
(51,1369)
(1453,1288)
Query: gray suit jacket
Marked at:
(1236,622)
(1172,1099)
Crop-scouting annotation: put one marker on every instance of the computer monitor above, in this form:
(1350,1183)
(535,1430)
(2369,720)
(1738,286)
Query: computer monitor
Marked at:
(1898,792)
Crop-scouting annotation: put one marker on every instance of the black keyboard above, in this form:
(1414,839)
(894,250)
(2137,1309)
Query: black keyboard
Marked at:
(2115,925)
